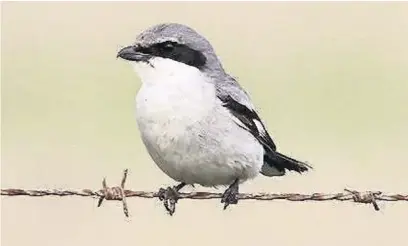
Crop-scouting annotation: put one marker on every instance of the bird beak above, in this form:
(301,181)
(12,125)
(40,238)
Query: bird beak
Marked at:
(132,53)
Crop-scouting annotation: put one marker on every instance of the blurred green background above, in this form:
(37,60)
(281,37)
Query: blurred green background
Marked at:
(329,79)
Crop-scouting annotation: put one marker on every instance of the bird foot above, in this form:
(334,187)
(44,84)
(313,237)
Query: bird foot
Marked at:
(170,196)
(230,195)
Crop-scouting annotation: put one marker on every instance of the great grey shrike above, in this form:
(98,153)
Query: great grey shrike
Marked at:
(197,123)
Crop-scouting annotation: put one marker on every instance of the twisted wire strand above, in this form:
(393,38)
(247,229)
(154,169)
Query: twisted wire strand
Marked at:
(120,193)
(341,196)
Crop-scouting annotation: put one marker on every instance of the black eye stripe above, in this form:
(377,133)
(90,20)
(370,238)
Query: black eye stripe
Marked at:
(175,51)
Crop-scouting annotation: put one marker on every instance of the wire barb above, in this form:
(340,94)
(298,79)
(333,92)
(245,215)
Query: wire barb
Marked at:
(115,193)
(365,197)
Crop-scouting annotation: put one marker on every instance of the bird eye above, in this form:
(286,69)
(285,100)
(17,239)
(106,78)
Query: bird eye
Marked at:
(136,48)
(168,46)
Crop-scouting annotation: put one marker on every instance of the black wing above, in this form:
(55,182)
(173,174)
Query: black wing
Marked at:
(250,119)
(252,123)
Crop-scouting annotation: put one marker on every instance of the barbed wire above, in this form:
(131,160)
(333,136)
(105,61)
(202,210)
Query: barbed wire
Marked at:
(119,193)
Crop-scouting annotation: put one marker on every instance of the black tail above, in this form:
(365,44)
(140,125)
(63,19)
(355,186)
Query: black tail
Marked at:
(280,163)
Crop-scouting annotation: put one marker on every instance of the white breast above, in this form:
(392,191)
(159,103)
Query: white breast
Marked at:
(187,132)
(172,92)
(173,97)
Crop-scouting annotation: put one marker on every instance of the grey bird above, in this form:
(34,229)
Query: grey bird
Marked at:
(197,123)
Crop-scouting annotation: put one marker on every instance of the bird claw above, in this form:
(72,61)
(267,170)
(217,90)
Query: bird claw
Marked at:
(169,196)
(230,195)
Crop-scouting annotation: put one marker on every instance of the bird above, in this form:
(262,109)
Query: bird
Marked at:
(196,121)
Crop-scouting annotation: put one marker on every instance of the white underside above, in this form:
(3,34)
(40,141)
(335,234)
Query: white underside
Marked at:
(186,130)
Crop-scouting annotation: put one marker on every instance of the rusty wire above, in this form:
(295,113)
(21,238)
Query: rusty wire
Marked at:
(120,193)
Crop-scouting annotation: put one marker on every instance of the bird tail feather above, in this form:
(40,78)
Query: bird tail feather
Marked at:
(275,164)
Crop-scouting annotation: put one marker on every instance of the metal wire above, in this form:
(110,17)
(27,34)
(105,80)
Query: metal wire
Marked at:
(120,193)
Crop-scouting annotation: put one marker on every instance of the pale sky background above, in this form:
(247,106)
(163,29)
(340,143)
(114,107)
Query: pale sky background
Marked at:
(329,79)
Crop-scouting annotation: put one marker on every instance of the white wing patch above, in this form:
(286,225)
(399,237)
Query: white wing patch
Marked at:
(260,127)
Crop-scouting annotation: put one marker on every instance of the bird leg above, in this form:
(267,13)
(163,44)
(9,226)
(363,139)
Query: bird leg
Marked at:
(230,195)
(169,196)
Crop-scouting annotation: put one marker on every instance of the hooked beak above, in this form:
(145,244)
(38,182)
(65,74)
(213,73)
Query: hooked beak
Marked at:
(132,53)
